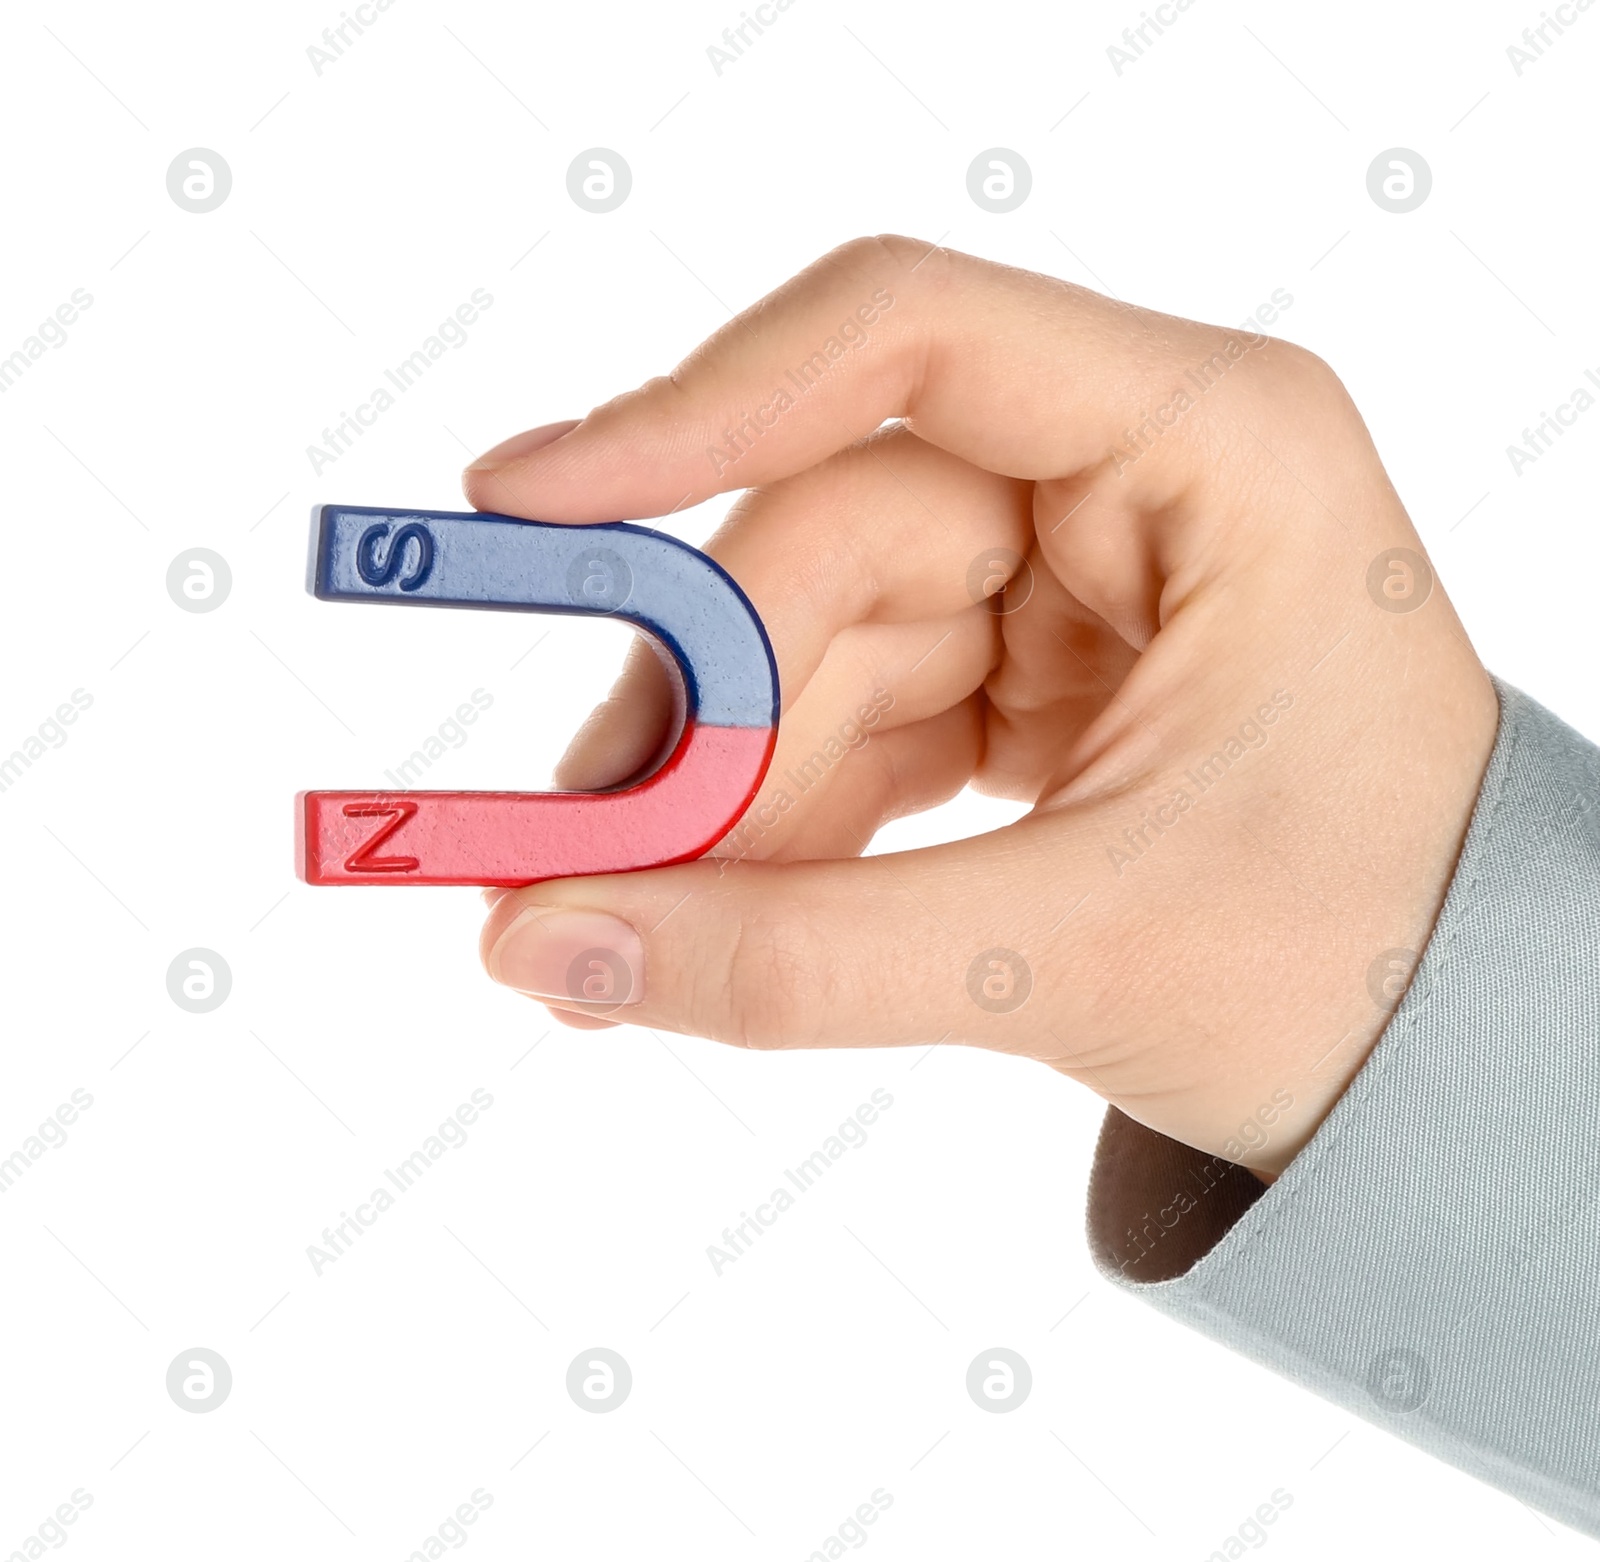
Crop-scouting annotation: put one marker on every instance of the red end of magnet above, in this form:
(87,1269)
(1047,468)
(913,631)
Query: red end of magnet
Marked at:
(516,838)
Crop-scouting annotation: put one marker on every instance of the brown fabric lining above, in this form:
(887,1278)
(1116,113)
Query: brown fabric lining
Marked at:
(1157,1207)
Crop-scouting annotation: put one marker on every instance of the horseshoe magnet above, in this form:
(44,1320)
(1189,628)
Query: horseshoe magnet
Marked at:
(701,624)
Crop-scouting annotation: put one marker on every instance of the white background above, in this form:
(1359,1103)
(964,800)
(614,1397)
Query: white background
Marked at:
(367,203)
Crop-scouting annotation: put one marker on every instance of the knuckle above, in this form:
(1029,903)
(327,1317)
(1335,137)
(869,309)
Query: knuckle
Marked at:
(815,561)
(892,259)
(767,993)
(1303,374)
(650,415)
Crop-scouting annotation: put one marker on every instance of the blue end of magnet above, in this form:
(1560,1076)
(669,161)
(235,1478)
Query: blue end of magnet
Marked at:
(440,558)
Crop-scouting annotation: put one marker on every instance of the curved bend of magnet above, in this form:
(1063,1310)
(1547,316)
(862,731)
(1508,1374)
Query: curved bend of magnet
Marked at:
(701,624)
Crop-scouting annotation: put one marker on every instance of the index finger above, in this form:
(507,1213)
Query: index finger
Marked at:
(1015,372)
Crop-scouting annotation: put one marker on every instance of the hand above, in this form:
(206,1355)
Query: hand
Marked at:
(1248,721)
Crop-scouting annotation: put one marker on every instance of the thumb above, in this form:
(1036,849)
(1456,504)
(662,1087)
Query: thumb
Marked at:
(950,943)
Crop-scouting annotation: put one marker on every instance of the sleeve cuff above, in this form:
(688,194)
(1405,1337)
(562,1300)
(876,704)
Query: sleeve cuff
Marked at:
(1431,1260)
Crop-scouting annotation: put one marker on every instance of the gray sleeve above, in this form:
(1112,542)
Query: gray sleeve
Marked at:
(1431,1259)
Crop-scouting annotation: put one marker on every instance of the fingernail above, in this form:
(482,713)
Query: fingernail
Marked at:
(570,956)
(519,445)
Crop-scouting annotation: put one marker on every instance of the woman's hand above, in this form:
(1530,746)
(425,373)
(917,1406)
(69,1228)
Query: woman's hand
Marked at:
(1146,575)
